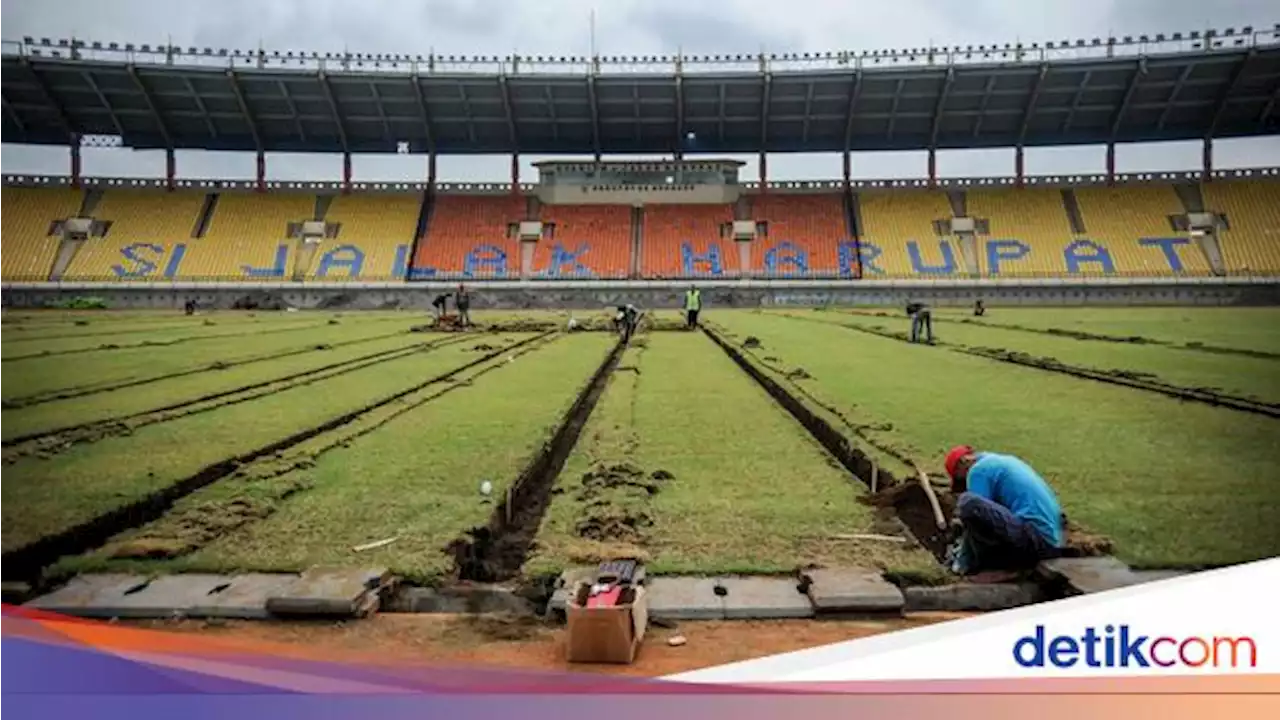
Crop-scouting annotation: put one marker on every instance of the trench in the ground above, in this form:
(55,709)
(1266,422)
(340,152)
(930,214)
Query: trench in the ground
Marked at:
(1113,377)
(79,391)
(906,500)
(27,562)
(496,551)
(50,442)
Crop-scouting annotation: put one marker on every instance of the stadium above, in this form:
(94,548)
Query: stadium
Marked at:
(308,412)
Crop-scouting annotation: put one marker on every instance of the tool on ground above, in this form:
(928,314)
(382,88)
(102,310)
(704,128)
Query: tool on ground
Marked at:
(938,518)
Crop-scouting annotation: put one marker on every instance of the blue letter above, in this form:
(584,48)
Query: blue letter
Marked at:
(1073,255)
(400,268)
(332,259)
(179,251)
(996,251)
(277,270)
(788,256)
(1063,651)
(1036,643)
(867,254)
(1167,244)
(142,266)
(1132,649)
(485,256)
(561,257)
(948,259)
(690,260)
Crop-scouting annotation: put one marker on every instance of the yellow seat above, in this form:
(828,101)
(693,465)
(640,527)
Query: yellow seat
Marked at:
(247,231)
(1125,221)
(28,248)
(148,237)
(1252,242)
(1033,218)
(379,227)
(894,222)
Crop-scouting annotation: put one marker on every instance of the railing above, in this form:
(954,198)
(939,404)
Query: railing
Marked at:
(1196,41)
(492,188)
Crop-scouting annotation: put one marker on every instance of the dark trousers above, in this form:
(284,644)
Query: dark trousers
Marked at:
(996,539)
(691,318)
(921,321)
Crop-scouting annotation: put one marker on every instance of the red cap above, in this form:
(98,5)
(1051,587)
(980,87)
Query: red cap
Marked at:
(953,458)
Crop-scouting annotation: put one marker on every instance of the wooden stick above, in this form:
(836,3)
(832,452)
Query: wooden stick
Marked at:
(933,499)
(867,536)
(377,544)
(508,506)
(875,476)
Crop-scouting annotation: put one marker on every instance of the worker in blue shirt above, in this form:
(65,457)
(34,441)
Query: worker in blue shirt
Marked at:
(1009,517)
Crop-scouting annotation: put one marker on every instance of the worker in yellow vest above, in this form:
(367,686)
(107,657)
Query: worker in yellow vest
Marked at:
(692,304)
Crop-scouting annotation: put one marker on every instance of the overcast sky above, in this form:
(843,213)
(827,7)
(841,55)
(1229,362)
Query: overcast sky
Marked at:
(631,27)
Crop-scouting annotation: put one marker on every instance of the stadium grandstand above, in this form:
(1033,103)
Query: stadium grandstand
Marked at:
(687,215)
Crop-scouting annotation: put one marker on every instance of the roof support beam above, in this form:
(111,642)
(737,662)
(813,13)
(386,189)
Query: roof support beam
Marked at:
(679,89)
(151,105)
(595,112)
(466,110)
(208,121)
(93,84)
(333,106)
(808,108)
(720,112)
(297,121)
(1031,104)
(382,113)
(504,89)
(1139,70)
(1075,100)
(1266,109)
(937,110)
(1173,96)
(893,109)
(244,109)
(982,109)
(424,115)
(1220,107)
(855,92)
(22,127)
(551,111)
(53,102)
(766,89)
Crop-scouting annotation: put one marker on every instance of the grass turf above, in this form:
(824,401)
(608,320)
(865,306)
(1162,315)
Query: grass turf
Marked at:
(1174,484)
(750,492)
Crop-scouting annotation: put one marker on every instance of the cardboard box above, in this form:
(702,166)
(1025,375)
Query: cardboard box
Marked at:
(606,635)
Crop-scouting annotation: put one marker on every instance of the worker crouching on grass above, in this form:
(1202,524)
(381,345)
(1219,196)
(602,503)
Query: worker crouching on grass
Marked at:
(626,320)
(1009,517)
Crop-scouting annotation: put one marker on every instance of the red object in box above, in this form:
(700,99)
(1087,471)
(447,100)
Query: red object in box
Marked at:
(607,597)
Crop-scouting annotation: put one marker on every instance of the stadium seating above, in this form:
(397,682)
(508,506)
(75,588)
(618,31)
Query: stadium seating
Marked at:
(1127,225)
(247,237)
(686,241)
(375,235)
(470,236)
(1028,230)
(149,237)
(898,238)
(805,232)
(1252,242)
(591,238)
(29,214)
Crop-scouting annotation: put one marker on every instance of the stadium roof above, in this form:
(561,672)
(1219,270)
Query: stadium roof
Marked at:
(1130,90)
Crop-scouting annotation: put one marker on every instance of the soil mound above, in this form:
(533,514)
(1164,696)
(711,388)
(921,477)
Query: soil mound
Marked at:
(616,502)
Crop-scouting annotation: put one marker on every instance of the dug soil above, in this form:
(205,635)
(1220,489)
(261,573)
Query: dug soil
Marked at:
(461,640)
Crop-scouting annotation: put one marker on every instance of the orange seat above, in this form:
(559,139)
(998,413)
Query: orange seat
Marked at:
(470,235)
(596,237)
(807,229)
(688,241)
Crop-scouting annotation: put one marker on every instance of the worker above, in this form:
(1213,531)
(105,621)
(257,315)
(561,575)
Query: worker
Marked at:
(979,309)
(921,319)
(626,320)
(463,300)
(692,305)
(440,305)
(1009,517)
(189,307)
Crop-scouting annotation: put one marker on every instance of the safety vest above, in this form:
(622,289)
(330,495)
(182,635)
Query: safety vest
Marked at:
(693,300)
